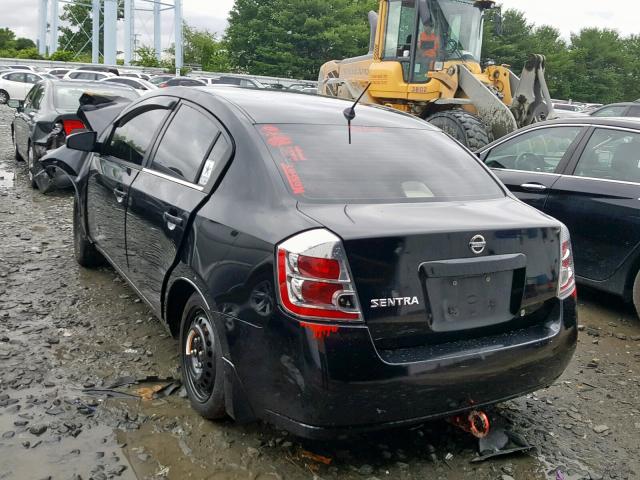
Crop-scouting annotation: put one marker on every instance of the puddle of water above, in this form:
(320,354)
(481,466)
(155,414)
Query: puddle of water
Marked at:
(6,179)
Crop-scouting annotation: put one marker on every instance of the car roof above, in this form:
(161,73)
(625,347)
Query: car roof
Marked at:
(87,84)
(279,106)
(625,122)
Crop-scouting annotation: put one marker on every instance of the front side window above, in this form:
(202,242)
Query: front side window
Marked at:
(32,78)
(131,140)
(185,144)
(613,111)
(634,111)
(400,27)
(539,150)
(381,165)
(612,155)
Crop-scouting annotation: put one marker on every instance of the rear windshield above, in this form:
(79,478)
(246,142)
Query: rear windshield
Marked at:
(381,164)
(68,98)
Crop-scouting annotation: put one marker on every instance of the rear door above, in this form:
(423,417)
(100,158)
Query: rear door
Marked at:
(14,84)
(599,201)
(188,158)
(112,172)
(529,163)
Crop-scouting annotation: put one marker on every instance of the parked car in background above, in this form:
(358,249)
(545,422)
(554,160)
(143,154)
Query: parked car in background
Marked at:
(564,110)
(16,84)
(586,173)
(158,79)
(87,75)
(100,68)
(142,76)
(182,82)
(4,68)
(48,115)
(322,285)
(58,72)
(22,67)
(137,83)
(239,81)
(624,109)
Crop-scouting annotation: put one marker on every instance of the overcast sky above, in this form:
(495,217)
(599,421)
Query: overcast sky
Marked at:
(567,15)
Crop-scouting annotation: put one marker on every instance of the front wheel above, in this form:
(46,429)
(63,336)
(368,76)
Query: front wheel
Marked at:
(4,97)
(201,358)
(636,294)
(463,126)
(84,251)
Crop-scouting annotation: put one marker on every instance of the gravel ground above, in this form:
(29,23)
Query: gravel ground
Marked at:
(68,334)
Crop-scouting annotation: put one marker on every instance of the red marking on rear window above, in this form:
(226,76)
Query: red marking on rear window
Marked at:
(293,178)
(293,153)
(320,332)
(279,140)
(268,130)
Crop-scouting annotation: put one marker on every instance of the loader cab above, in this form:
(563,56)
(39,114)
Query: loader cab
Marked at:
(430,35)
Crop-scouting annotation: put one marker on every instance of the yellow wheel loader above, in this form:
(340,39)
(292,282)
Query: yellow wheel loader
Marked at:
(424,59)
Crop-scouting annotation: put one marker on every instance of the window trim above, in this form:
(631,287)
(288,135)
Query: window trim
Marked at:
(564,162)
(213,181)
(571,167)
(139,109)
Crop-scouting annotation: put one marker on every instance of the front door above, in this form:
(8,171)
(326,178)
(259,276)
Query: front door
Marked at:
(530,163)
(111,175)
(164,195)
(599,201)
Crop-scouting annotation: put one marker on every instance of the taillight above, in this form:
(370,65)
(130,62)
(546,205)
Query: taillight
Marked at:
(163,85)
(313,278)
(567,281)
(71,125)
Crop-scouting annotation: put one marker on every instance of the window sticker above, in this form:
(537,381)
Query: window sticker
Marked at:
(206,172)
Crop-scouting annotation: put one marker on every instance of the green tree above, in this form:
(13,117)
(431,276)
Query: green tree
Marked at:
(293,39)
(7,39)
(24,43)
(76,35)
(203,47)
(601,66)
(146,57)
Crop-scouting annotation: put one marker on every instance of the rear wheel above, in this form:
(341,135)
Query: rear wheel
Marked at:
(4,97)
(84,251)
(30,167)
(463,126)
(201,359)
(16,153)
(636,294)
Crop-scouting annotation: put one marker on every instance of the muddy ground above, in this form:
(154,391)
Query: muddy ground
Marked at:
(67,334)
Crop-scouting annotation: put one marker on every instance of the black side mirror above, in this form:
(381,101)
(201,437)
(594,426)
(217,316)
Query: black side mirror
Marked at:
(17,104)
(83,141)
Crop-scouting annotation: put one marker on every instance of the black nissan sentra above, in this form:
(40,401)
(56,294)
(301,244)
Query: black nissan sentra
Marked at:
(322,285)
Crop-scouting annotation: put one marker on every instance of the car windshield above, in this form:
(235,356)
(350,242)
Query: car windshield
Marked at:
(381,165)
(68,97)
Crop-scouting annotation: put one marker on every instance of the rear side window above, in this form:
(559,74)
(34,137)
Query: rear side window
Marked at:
(185,144)
(15,77)
(131,140)
(381,165)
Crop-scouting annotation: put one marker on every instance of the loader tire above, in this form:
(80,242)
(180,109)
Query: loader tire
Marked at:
(464,127)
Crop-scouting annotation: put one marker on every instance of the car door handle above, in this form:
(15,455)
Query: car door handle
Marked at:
(172,221)
(538,187)
(120,194)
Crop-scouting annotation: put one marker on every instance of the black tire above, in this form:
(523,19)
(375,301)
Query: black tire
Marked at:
(202,371)
(30,167)
(4,97)
(16,154)
(84,251)
(463,126)
(636,294)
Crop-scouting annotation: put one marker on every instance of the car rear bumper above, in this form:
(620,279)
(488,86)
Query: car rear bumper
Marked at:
(322,383)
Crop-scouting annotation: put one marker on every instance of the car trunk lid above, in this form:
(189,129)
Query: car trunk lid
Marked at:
(422,276)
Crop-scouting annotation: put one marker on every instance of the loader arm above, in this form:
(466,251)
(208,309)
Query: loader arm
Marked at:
(531,98)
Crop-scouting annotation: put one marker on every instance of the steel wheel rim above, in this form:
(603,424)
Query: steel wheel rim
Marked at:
(4,98)
(199,357)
